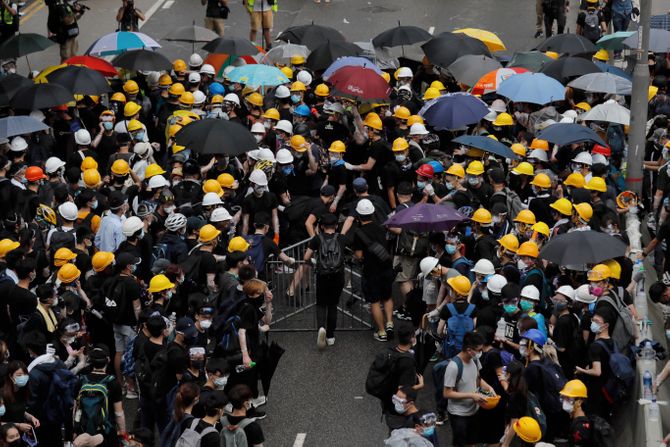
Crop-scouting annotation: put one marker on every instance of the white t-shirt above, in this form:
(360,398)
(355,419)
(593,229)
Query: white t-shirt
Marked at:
(262,5)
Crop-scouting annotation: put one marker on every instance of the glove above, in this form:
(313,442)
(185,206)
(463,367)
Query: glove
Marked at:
(348,166)
(635,15)
(428,189)
(276,239)
(636,12)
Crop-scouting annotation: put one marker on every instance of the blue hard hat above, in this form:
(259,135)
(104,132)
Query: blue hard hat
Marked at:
(302,110)
(535,336)
(437,166)
(216,88)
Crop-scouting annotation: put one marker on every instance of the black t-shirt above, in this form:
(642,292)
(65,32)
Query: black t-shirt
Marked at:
(337,175)
(22,303)
(252,204)
(489,315)
(106,148)
(250,315)
(253,431)
(329,131)
(210,439)
(381,152)
(599,354)
(177,363)
(393,173)
(516,407)
(372,232)
(129,291)
(207,265)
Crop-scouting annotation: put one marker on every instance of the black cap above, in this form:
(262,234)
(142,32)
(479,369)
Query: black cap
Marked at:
(499,208)
(262,218)
(186,326)
(126,258)
(217,364)
(99,352)
(117,199)
(328,220)
(194,223)
(123,139)
(497,175)
(360,184)
(405,188)
(328,191)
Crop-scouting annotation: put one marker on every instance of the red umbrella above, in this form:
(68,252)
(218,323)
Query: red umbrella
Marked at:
(94,63)
(359,83)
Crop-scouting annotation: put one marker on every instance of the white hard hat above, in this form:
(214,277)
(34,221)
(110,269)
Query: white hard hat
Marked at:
(284,156)
(253,154)
(266,154)
(211,198)
(539,154)
(571,114)
(584,158)
(491,116)
(258,128)
(18,144)
(599,158)
(232,97)
(404,72)
(567,119)
(53,164)
(499,106)
(158,181)
(199,97)
(427,265)
(484,267)
(282,92)
(82,137)
(530,292)
(219,215)
(152,78)
(207,69)
(194,77)
(195,60)
(131,225)
(258,177)
(285,126)
(567,291)
(141,148)
(365,207)
(304,77)
(496,283)
(418,129)
(68,210)
(583,295)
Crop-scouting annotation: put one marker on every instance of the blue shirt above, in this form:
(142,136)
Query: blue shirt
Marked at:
(622,7)
(109,235)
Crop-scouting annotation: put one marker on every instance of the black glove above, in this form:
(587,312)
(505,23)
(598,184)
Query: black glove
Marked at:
(636,12)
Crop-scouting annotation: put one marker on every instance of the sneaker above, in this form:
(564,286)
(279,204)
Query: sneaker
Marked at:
(389,329)
(130,394)
(259,401)
(321,338)
(441,418)
(330,341)
(538,34)
(380,336)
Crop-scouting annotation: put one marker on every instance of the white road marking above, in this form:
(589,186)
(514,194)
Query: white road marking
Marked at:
(152,11)
(300,440)
(431,30)
(358,397)
(168,4)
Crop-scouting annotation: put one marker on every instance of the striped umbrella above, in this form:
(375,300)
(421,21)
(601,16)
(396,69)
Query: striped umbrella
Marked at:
(119,42)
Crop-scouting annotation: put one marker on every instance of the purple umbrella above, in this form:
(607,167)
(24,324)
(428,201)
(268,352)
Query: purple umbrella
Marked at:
(425,217)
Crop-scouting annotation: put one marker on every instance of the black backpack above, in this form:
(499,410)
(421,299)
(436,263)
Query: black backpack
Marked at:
(602,434)
(381,379)
(329,259)
(553,382)
(592,25)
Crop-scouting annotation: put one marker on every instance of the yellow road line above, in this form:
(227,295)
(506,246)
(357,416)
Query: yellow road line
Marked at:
(33,11)
(30,7)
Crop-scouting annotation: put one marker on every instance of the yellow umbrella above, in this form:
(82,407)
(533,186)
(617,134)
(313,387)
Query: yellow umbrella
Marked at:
(492,41)
(42,77)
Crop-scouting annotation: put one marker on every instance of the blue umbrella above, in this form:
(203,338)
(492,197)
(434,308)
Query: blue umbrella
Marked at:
(454,110)
(20,125)
(119,42)
(534,88)
(257,75)
(350,61)
(614,41)
(569,133)
(486,144)
(613,70)
(425,217)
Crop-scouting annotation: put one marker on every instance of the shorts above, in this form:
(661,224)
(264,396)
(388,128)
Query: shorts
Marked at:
(262,19)
(377,288)
(215,24)
(122,335)
(69,48)
(463,429)
(410,268)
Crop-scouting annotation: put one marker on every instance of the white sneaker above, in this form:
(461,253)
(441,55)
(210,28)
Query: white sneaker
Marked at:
(259,401)
(131,394)
(321,338)
(330,341)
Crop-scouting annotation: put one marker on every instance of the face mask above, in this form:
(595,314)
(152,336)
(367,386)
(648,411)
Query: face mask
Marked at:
(568,406)
(400,158)
(334,160)
(595,290)
(509,308)
(576,167)
(220,382)
(197,364)
(449,186)
(450,249)
(595,327)
(523,351)
(477,355)
(420,185)
(21,381)
(398,405)
(206,324)
(94,204)
(169,294)
(521,265)
(267,125)
(473,181)
(259,190)
(170,209)
(258,137)
(592,308)
(108,125)
(139,136)
(295,99)
(2,410)
(485,295)
(287,170)
(133,268)
(526,305)
(428,432)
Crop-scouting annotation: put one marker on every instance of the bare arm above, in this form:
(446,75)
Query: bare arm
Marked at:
(137,308)
(245,223)
(595,370)
(348,222)
(309,225)
(390,192)
(367,166)
(120,417)
(119,15)
(211,282)
(275,220)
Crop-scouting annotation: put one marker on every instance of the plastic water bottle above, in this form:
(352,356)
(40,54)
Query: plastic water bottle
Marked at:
(647,385)
(241,368)
(500,329)
(173,318)
(653,410)
(648,352)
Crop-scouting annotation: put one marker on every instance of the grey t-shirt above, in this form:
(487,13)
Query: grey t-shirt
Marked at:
(467,384)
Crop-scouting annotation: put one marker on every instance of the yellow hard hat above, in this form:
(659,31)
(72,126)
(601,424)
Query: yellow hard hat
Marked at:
(599,272)
(525,216)
(272,114)
(91,178)
(187,99)
(460,284)
(539,144)
(179,66)
(159,283)
(519,149)
(563,206)
(473,152)
(401,112)
(255,99)
(118,97)
(297,59)
(373,121)
(584,211)
(238,243)
(322,90)
(575,389)
(173,129)
(456,170)
(120,167)
(509,242)
(482,216)
(414,119)
(68,273)
(400,144)
(88,163)
(625,199)
(597,184)
(528,248)
(431,93)
(7,245)
(165,80)
(153,169)
(438,85)
(583,105)
(131,109)
(528,429)
(475,167)
(541,180)
(212,185)
(386,76)
(208,232)
(493,137)
(552,54)
(575,180)
(615,268)
(337,147)
(287,72)
(134,125)
(227,181)
(176,148)
(653,90)
(101,260)
(131,87)
(542,228)
(298,86)
(523,168)
(503,119)
(176,89)
(216,99)
(63,255)
(602,55)
(298,143)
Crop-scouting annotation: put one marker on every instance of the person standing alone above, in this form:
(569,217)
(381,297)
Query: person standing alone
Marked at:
(216,14)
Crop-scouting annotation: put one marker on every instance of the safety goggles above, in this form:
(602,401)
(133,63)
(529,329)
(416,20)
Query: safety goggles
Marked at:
(72,328)
(428,419)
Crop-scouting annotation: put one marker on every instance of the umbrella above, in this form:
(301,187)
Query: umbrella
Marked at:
(486,144)
(80,80)
(119,42)
(425,217)
(565,68)
(20,125)
(269,360)
(41,96)
(321,57)
(9,84)
(350,61)
(312,35)
(258,75)
(659,40)
(238,46)
(569,133)
(660,21)
(491,40)
(94,63)
(213,136)
(531,60)
(568,44)
(603,83)
(191,34)
(470,68)
(535,88)
(24,44)
(610,111)
(582,247)
(401,35)
(614,41)
(142,60)
(444,49)
(360,83)
(490,81)
(221,61)
(606,68)
(453,111)
(282,53)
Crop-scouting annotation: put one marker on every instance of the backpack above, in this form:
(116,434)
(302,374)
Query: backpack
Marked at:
(93,413)
(60,397)
(466,261)
(297,210)
(85,222)
(329,259)
(553,382)
(256,252)
(156,372)
(60,239)
(512,201)
(592,25)
(534,410)
(547,290)
(160,251)
(602,434)
(234,435)
(618,387)
(457,326)
(624,329)
(172,432)
(191,268)
(191,437)
(381,378)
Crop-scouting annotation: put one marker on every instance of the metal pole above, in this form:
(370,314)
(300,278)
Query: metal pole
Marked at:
(638,115)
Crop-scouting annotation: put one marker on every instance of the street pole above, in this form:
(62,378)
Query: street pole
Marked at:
(638,110)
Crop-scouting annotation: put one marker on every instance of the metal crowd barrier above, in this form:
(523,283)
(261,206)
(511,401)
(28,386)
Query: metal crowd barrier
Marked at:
(294,295)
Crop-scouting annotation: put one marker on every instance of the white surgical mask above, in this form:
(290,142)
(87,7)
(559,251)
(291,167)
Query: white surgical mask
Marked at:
(521,264)
(258,137)
(523,351)
(220,382)
(206,324)
(170,209)
(568,406)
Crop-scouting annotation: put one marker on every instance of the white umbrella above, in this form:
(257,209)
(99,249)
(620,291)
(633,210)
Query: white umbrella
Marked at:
(603,83)
(610,112)
(282,54)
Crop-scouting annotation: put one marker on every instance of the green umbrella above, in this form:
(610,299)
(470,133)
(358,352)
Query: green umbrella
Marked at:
(530,60)
(614,41)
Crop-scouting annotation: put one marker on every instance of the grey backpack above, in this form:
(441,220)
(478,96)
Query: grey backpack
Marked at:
(191,437)
(234,435)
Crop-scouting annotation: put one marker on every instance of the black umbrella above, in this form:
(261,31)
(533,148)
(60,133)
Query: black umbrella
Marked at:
(569,133)
(237,46)
(41,96)
(268,361)
(212,136)
(24,44)
(311,35)
(142,60)
(566,68)
(80,80)
(444,49)
(321,58)
(470,68)
(582,247)
(401,35)
(568,44)
(530,60)
(10,84)
(191,34)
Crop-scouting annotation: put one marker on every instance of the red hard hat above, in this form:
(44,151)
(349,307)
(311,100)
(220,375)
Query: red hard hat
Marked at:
(34,173)
(603,150)
(426,170)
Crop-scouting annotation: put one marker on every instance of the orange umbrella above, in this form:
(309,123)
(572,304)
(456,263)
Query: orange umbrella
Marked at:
(490,81)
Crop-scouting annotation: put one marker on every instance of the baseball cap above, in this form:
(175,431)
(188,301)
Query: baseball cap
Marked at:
(186,326)
(328,191)
(126,258)
(360,184)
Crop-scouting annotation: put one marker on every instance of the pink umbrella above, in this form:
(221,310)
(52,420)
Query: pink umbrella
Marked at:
(490,81)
